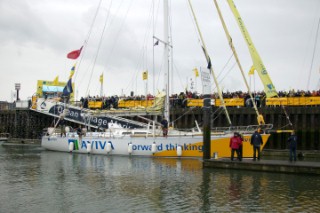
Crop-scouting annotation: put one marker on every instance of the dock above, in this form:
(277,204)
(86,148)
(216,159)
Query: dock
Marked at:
(4,136)
(276,166)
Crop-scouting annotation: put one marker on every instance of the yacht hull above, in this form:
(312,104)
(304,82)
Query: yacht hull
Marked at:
(171,146)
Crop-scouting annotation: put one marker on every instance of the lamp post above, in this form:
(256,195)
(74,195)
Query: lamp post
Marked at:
(17,87)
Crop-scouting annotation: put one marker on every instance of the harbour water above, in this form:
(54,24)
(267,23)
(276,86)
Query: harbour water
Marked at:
(36,180)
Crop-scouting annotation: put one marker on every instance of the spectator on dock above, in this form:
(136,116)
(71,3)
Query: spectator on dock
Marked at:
(235,144)
(292,142)
(256,142)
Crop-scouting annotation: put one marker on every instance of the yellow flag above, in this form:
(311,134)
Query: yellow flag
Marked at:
(72,71)
(251,71)
(56,81)
(145,75)
(101,78)
(196,72)
(269,88)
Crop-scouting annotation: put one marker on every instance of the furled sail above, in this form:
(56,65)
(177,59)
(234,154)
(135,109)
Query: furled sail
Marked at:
(269,88)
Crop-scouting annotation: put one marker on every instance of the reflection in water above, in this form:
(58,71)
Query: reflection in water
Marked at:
(34,180)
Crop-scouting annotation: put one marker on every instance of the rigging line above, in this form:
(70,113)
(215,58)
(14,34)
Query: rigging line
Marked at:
(191,109)
(217,116)
(133,77)
(306,49)
(162,62)
(194,25)
(157,13)
(237,59)
(154,72)
(170,41)
(318,86)
(314,50)
(206,54)
(110,24)
(179,76)
(142,51)
(145,39)
(225,65)
(142,65)
(87,38)
(153,89)
(87,71)
(286,114)
(149,31)
(195,30)
(99,46)
(154,21)
(113,42)
(118,32)
(221,80)
(231,68)
(284,126)
(282,106)
(209,62)
(120,28)
(133,81)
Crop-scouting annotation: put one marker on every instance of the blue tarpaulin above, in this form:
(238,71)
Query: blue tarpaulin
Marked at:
(46,88)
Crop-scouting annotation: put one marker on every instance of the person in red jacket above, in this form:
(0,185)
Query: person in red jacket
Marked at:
(235,144)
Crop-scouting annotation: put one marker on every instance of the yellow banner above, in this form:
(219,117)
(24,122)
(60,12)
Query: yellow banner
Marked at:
(269,88)
(72,70)
(196,72)
(56,81)
(145,75)
(101,78)
(251,71)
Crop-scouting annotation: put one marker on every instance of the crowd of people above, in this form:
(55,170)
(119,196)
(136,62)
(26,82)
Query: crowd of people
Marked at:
(179,100)
(107,102)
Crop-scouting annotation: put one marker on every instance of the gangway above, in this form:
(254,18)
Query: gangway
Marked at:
(102,119)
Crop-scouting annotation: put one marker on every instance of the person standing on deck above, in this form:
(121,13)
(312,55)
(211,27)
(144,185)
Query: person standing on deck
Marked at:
(62,124)
(79,130)
(292,141)
(235,144)
(164,124)
(256,142)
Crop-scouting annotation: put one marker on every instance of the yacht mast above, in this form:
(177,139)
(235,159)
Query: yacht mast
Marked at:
(260,121)
(269,88)
(209,65)
(166,58)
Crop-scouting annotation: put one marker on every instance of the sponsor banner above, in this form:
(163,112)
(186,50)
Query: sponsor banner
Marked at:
(81,116)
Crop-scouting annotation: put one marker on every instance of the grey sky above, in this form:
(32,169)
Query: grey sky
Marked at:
(35,37)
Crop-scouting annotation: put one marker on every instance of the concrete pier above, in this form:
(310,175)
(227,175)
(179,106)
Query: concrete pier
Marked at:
(280,166)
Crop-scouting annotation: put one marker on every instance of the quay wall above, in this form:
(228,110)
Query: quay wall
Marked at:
(305,120)
(27,124)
